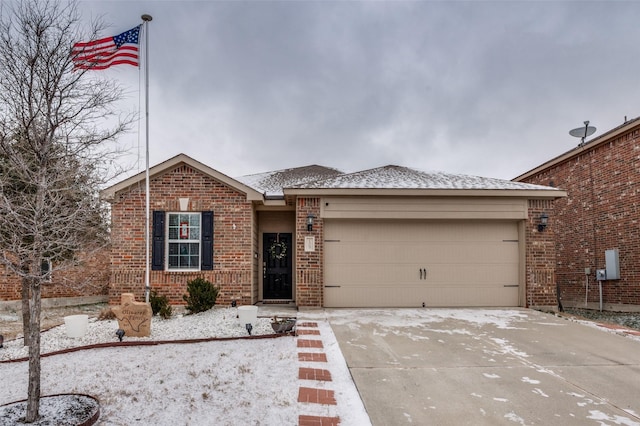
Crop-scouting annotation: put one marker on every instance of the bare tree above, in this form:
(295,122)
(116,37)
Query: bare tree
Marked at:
(55,155)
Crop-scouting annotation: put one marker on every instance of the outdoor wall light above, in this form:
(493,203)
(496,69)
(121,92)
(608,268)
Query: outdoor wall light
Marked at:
(544,219)
(310,218)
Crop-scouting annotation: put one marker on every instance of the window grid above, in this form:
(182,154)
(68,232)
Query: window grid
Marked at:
(183,242)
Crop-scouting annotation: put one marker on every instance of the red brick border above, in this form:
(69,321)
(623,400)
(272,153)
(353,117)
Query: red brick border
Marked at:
(318,421)
(312,357)
(317,396)
(314,374)
(306,343)
(308,332)
(314,395)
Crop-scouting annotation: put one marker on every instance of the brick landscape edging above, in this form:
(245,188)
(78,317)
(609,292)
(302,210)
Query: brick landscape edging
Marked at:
(149,343)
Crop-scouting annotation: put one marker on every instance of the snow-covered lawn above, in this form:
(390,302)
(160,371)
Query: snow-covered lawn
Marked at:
(249,382)
(224,382)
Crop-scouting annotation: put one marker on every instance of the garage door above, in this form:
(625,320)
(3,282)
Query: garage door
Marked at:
(408,263)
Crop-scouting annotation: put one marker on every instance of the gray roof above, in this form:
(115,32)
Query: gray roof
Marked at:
(272,183)
(386,177)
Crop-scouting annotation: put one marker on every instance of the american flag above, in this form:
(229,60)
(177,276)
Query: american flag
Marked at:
(106,52)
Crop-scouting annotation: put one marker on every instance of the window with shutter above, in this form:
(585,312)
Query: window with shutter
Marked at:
(157,244)
(183,241)
(187,239)
(207,241)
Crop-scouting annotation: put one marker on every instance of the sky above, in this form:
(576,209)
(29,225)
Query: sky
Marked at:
(485,88)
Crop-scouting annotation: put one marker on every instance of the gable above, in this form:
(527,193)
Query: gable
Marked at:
(628,129)
(173,164)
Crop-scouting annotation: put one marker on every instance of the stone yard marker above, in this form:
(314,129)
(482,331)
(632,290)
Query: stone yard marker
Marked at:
(133,317)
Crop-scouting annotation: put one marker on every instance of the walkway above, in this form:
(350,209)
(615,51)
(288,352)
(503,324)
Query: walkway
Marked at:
(316,396)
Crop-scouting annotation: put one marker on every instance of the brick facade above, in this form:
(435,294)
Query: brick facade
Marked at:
(241,216)
(540,257)
(602,211)
(234,237)
(309,265)
(90,278)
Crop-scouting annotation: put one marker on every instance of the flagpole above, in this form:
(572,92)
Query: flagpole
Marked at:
(147,287)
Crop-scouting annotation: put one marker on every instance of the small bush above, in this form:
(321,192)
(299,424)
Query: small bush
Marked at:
(106,314)
(202,295)
(166,311)
(160,305)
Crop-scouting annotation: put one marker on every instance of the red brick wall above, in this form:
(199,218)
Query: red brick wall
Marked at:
(90,278)
(233,245)
(540,256)
(602,212)
(309,265)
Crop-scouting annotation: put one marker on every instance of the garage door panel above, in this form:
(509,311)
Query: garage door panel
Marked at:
(492,274)
(420,231)
(390,297)
(383,263)
(404,275)
(416,253)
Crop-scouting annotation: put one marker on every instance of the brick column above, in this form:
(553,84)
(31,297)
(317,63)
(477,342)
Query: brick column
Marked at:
(540,257)
(309,264)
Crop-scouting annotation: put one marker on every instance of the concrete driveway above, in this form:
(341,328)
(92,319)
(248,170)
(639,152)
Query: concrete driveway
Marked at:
(487,367)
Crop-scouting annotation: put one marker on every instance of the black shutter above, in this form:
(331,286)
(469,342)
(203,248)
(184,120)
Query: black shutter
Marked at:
(206,263)
(157,246)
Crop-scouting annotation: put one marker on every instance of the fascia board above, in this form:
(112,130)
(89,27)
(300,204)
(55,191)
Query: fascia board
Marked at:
(524,193)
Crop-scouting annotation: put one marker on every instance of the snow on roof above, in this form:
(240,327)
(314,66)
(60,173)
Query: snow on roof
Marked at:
(397,177)
(272,183)
(387,177)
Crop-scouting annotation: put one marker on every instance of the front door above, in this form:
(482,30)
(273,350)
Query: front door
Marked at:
(277,282)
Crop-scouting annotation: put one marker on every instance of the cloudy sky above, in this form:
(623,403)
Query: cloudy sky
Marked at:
(487,88)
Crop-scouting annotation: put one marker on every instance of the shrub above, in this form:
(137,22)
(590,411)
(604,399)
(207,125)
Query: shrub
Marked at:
(166,311)
(160,305)
(106,314)
(202,295)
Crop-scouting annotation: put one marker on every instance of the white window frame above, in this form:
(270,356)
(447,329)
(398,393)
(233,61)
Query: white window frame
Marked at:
(169,241)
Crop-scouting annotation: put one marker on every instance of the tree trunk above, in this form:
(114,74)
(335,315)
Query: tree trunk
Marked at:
(25,310)
(33,397)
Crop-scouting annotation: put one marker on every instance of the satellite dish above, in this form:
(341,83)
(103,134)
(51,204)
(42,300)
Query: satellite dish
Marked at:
(583,132)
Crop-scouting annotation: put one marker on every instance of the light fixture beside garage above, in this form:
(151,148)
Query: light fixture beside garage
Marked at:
(310,218)
(544,219)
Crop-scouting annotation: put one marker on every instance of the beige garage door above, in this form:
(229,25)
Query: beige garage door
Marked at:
(408,263)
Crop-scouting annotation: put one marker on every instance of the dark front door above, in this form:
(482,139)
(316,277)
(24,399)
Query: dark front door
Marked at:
(277,255)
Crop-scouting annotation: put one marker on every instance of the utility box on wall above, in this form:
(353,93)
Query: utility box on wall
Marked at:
(612,264)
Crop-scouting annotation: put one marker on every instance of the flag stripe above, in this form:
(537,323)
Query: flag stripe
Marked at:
(106,52)
(105,66)
(81,44)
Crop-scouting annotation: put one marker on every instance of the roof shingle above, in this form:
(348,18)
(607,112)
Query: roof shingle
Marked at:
(386,177)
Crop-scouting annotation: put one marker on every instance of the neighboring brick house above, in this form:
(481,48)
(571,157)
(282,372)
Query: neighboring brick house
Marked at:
(389,236)
(89,279)
(600,213)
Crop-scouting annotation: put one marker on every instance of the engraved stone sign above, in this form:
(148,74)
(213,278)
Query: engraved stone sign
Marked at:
(133,317)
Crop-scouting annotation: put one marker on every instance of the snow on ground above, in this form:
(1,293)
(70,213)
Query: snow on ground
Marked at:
(501,318)
(218,322)
(220,382)
(252,382)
